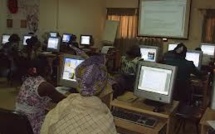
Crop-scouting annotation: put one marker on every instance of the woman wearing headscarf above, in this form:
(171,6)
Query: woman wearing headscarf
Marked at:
(83,112)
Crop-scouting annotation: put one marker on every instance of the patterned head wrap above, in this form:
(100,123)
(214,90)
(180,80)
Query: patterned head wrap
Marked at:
(92,75)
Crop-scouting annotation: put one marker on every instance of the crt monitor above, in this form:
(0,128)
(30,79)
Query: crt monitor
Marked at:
(70,62)
(53,44)
(172,46)
(53,34)
(149,53)
(5,38)
(85,40)
(66,37)
(208,49)
(196,57)
(25,37)
(208,53)
(155,82)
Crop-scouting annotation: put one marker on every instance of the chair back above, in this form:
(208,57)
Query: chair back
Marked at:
(12,122)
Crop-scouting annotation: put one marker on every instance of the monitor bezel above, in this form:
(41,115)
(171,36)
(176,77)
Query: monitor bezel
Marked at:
(86,45)
(2,38)
(58,45)
(168,47)
(208,44)
(200,57)
(166,99)
(66,34)
(150,47)
(50,32)
(63,82)
(24,43)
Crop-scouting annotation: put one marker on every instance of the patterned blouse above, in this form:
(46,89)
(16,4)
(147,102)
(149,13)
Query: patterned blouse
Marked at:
(31,104)
(129,66)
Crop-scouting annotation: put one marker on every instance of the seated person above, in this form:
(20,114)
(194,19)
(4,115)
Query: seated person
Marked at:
(185,69)
(83,112)
(31,49)
(36,93)
(126,78)
(173,53)
(11,51)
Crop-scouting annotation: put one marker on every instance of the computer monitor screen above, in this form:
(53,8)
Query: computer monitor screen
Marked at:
(86,40)
(155,81)
(66,37)
(25,37)
(208,53)
(5,38)
(53,44)
(70,62)
(172,46)
(208,49)
(149,53)
(53,34)
(195,56)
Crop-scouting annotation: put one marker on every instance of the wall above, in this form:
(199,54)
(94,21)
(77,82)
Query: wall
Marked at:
(87,17)
(70,16)
(196,19)
(73,16)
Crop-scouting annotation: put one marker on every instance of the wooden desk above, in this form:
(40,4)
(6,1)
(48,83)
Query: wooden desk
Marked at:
(208,115)
(202,85)
(165,118)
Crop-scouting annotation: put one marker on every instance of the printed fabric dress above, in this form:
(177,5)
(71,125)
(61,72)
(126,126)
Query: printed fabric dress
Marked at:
(31,104)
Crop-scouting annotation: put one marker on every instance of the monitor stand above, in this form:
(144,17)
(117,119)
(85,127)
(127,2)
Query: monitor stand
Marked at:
(158,106)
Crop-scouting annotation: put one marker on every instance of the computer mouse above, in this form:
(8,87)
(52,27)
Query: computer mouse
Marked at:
(158,109)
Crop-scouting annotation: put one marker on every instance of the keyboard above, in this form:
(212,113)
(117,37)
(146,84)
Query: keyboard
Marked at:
(136,118)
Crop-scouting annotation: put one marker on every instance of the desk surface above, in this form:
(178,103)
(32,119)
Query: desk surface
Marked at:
(209,114)
(137,105)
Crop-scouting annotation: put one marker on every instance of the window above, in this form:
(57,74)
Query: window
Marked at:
(208,34)
(128,21)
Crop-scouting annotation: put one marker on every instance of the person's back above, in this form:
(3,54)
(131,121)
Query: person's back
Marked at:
(184,70)
(83,112)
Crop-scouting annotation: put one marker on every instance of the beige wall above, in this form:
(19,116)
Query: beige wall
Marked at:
(87,17)
(196,19)
(73,16)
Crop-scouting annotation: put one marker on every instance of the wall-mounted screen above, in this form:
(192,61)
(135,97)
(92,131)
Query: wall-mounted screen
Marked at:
(164,18)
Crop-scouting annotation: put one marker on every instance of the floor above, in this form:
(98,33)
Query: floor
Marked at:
(8,95)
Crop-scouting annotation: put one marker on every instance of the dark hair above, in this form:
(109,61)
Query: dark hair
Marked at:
(32,40)
(41,64)
(181,54)
(198,49)
(14,38)
(134,51)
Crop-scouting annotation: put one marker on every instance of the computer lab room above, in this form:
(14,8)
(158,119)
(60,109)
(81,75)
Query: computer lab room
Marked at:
(107,67)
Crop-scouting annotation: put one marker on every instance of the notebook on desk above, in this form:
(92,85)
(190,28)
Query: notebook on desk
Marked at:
(62,90)
(127,97)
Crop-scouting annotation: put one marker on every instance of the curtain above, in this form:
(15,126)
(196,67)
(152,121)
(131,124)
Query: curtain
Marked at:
(208,32)
(127,30)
